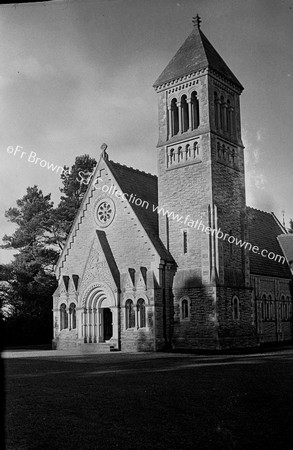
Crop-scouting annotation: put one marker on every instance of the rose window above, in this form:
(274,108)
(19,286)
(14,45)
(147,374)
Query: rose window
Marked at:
(105,212)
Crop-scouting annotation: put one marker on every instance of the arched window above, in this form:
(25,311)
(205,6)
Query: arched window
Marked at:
(129,314)
(289,307)
(222,114)
(194,111)
(232,120)
(185,242)
(141,313)
(268,309)
(282,308)
(174,117)
(272,307)
(216,103)
(263,306)
(185,114)
(63,317)
(72,316)
(235,308)
(184,308)
(229,126)
(195,149)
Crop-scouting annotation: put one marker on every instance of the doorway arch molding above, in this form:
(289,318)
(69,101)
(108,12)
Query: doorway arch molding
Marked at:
(96,294)
(94,319)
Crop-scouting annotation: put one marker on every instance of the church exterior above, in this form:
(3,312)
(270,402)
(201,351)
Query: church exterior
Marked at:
(176,261)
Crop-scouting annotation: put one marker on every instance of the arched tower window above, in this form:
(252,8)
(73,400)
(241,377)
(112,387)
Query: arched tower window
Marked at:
(194,111)
(141,313)
(222,114)
(216,109)
(129,314)
(185,114)
(229,124)
(63,317)
(174,117)
(72,316)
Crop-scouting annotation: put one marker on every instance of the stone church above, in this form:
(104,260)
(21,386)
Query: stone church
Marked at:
(176,261)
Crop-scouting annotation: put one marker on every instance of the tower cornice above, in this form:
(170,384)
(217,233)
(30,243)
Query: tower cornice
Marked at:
(187,79)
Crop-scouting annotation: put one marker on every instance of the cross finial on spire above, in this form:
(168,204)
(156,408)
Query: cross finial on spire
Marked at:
(196,21)
(104,153)
(283,212)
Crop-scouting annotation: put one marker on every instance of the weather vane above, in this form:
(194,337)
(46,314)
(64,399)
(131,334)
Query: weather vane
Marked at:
(196,21)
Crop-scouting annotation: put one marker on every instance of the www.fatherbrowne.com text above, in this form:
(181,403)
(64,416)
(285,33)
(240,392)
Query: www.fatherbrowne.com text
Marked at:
(185,221)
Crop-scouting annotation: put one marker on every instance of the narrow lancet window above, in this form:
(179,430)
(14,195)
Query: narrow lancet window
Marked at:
(174,117)
(185,114)
(194,111)
(185,242)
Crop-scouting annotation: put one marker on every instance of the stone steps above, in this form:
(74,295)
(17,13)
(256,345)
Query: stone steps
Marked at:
(103,347)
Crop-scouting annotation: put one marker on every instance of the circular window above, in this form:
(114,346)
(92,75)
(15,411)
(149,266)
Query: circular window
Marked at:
(105,211)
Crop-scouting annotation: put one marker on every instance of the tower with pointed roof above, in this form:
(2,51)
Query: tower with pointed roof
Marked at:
(153,263)
(201,186)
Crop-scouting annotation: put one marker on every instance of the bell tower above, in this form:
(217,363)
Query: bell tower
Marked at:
(202,194)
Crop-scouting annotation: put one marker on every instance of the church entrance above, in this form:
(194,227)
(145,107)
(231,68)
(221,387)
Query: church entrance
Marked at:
(107,324)
(99,316)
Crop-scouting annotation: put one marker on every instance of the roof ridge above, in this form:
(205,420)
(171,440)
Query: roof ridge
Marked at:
(259,210)
(282,227)
(234,79)
(148,174)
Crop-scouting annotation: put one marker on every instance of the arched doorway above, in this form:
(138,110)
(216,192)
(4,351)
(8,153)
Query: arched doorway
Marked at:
(99,319)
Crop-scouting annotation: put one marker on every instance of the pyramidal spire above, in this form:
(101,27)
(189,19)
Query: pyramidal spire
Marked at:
(196,54)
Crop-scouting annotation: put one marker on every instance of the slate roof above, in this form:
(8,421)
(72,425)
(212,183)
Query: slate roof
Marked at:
(145,187)
(195,54)
(263,231)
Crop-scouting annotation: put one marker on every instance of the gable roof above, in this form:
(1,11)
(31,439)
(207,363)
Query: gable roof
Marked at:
(263,231)
(286,243)
(195,54)
(143,186)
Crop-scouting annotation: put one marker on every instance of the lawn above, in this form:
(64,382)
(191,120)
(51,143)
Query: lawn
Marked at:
(147,401)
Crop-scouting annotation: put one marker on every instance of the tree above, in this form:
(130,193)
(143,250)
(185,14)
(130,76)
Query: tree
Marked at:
(29,281)
(290,226)
(73,190)
(27,284)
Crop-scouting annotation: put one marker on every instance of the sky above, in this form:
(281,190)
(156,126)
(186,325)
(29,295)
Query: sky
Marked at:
(77,73)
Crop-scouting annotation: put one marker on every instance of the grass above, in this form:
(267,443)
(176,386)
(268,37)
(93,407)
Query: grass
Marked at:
(147,401)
